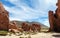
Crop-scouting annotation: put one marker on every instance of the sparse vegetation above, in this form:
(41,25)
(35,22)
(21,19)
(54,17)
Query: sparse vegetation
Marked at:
(27,33)
(34,33)
(21,37)
(3,33)
(44,30)
(29,36)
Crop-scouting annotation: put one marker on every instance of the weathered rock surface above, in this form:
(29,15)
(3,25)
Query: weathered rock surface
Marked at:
(54,19)
(5,22)
(13,27)
(29,27)
(4,18)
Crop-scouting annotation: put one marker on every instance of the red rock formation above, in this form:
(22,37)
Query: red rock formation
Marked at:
(25,26)
(4,21)
(33,27)
(4,18)
(54,19)
(51,20)
(13,27)
(36,27)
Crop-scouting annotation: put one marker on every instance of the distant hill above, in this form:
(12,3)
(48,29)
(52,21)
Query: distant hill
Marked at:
(20,22)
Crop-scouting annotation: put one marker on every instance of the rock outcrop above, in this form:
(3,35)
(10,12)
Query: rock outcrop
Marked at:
(54,19)
(14,28)
(4,18)
(36,27)
(5,22)
(31,27)
(25,26)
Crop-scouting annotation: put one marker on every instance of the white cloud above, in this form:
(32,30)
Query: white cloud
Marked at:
(20,14)
(52,2)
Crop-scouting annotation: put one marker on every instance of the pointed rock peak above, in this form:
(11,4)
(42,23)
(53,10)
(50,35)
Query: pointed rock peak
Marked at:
(1,4)
(1,7)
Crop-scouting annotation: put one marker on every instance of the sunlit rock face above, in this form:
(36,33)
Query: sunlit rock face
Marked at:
(4,18)
(54,19)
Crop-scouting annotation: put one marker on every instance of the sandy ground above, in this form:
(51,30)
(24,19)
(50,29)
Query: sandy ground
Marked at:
(39,35)
(44,35)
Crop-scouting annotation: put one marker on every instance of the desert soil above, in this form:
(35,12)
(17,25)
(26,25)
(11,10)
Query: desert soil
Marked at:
(39,35)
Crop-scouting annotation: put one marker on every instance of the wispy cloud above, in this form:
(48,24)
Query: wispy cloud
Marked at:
(30,10)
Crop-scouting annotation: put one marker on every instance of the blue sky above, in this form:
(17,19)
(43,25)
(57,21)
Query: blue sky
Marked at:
(29,10)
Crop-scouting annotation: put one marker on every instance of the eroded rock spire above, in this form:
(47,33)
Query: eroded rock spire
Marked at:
(54,19)
(1,7)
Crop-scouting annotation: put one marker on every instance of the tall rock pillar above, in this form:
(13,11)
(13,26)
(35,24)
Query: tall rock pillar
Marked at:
(54,19)
(4,18)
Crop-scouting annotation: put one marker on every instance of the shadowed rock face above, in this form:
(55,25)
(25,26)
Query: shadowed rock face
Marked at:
(54,19)
(4,18)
